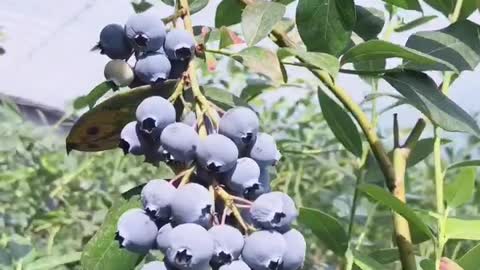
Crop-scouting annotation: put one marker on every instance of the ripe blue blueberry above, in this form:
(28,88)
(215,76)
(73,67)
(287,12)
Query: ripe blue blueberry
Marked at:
(243,179)
(136,231)
(228,244)
(154,265)
(265,180)
(131,140)
(179,45)
(162,237)
(264,250)
(114,43)
(241,125)
(145,31)
(190,247)
(153,68)
(264,151)
(154,114)
(180,141)
(217,153)
(294,257)
(192,203)
(273,210)
(119,72)
(156,196)
(235,265)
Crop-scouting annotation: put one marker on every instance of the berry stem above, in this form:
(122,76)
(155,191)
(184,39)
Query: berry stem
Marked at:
(242,200)
(178,91)
(202,101)
(186,177)
(172,18)
(229,203)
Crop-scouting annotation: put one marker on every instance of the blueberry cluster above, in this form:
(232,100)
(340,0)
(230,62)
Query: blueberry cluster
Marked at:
(160,55)
(225,215)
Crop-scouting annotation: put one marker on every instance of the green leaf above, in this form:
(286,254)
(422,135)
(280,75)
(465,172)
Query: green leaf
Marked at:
(427,264)
(381,50)
(91,98)
(229,12)
(326,228)
(195,5)
(447,7)
(467,229)
(321,24)
(385,256)
(406,4)
(415,23)
(258,20)
(364,262)
(254,88)
(458,44)
(341,124)
(222,98)
(422,92)
(422,150)
(466,163)
(471,259)
(226,38)
(460,191)
(102,252)
(371,65)
(383,197)
(321,61)
(99,129)
(370,22)
(261,61)
(51,262)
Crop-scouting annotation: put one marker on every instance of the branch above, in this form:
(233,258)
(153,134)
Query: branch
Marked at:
(400,158)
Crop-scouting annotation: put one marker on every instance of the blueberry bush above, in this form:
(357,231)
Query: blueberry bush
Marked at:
(215,175)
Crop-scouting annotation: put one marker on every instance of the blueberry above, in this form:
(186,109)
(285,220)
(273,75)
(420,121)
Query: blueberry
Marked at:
(156,196)
(190,247)
(264,151)
(235,265)
(131,140)
(162,237)
(274,210)
(153,68)
(180,141)
(114,43)
(294,257)
(265,180)
(228,244)
(217,153)
(244,178)
(136,232)
(241,125)
(179,45)
(119,72)
(146,31)
(179,68)
(264,250)
(154,265)
(154,114)
(192,203)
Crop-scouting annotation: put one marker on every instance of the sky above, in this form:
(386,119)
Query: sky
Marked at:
(48,42)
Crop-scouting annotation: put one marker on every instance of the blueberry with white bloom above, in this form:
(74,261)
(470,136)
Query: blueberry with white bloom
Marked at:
(179,45)
(241,125)
(156,196)
(146,31)
(190,247)
(217,153)
(229,243)
(192,203)
(294,257)
(154,114)
(273,210)
(264,250)
(136,231)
